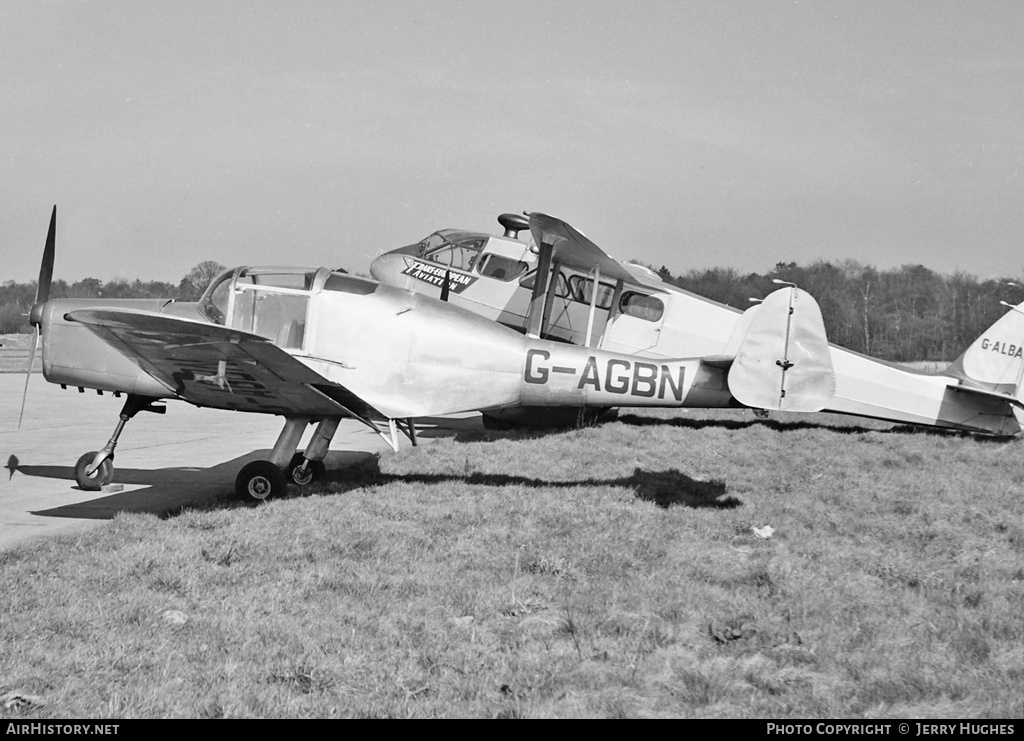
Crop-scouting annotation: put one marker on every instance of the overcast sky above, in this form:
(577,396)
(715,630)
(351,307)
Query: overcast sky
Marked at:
(689,134)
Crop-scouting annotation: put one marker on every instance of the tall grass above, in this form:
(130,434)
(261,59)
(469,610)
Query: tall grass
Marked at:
(611,571)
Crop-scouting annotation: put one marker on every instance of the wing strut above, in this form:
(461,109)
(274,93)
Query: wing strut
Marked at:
(539,301)
(593,304)
(395,426)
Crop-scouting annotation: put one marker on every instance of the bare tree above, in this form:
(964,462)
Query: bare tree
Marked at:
(198,279)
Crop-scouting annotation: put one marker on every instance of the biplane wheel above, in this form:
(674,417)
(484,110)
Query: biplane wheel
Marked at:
(260,480)
(496,425)
(315,471)
(100,477)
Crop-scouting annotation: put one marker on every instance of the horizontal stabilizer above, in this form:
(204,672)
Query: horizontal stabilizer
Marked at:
(783,361)
(996,396)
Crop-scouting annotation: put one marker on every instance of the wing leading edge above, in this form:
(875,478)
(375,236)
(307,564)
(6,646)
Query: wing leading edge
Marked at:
(570,247)
(213,366)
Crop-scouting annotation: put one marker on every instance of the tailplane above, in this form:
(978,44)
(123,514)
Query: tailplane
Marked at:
(995,361)
(783,361)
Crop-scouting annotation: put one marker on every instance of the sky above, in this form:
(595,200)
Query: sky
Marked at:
(680,133)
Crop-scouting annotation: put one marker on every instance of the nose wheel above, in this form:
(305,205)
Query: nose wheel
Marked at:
(100,475)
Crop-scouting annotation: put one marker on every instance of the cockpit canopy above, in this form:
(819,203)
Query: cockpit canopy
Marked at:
(273,302)
(461,250)
(453,247)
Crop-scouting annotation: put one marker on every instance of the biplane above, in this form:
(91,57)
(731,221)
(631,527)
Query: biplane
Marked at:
(556,283)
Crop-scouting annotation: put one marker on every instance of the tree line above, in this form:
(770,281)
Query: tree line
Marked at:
(16,298)
(904,314)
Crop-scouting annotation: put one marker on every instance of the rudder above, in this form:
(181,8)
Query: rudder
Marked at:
(783,361)
(996,359)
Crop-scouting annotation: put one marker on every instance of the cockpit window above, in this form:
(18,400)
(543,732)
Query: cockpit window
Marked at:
(648,308)
(501,268)
(349,284)
(453,248)
(214,303)
(582,289)
(294,281)
(561,287)
(272,304)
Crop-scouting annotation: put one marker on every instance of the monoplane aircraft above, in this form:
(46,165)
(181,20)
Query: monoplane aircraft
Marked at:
(316,345)
(560,285)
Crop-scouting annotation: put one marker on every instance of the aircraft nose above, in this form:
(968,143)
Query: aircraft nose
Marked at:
(388,266)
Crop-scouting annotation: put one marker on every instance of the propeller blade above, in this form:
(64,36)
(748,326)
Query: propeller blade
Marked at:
(444,288)
(28,371)
(46,269)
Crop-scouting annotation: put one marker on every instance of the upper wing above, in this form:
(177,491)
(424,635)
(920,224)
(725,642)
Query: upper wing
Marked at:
(569,247)
(213,366)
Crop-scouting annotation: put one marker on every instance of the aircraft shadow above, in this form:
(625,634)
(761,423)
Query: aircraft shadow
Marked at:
(780,426)
(664,488)
(170,491)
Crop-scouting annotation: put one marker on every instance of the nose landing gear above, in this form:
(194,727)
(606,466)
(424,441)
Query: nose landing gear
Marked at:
(95,469)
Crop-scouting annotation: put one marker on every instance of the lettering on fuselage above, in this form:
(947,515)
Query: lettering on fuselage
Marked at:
(433,274)
(620,376)
(1003,348)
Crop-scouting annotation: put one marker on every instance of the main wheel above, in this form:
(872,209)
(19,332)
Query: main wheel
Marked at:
(496,425)
(99,478)
(315,471)
(260,480)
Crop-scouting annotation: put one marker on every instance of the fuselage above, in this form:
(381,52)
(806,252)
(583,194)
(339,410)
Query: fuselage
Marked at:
(651,319)
(409,355)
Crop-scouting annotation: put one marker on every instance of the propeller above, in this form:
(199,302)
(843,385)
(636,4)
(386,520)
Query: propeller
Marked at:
(42,296)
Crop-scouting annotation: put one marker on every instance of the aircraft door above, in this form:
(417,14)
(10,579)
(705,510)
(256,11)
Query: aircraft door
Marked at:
(636,326)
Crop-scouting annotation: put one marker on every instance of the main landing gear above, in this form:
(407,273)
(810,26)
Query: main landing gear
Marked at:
(95,469)
(261,480)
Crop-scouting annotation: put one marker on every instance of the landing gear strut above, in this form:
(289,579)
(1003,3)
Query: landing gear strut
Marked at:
(95,469)
(262,480)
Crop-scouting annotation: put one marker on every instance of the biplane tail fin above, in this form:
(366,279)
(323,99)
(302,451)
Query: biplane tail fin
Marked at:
(995,361)
(783,361)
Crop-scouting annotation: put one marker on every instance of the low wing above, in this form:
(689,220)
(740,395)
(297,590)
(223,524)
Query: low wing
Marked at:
(213,366)
(570,247)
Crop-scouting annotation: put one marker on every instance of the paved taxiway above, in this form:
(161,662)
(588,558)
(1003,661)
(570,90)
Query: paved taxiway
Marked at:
(184,458)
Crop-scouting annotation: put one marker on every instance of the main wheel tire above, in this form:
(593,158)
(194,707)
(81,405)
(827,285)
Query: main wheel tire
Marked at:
(99,478)
(496,425)
(259,481)
(314,471)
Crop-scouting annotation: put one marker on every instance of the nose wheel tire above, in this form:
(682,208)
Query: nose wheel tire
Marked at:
(314,471)
(259,481)
(99,478)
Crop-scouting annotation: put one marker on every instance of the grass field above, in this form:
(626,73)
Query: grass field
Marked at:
(612,571)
